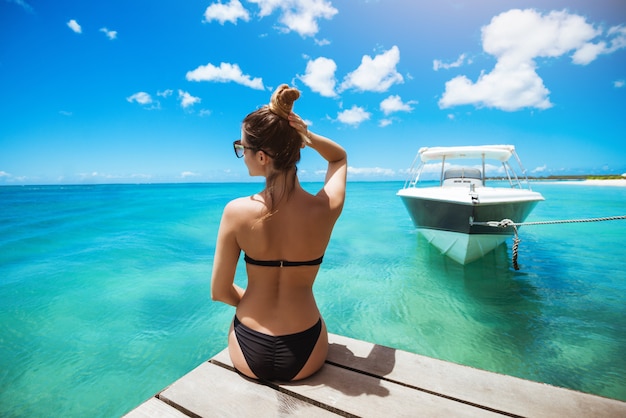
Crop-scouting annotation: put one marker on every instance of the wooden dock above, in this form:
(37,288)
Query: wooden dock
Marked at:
(368,380)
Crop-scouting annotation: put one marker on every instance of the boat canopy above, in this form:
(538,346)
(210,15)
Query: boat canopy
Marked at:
(496,152)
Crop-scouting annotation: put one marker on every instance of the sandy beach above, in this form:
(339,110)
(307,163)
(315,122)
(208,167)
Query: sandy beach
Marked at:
(616,182)
(608,182)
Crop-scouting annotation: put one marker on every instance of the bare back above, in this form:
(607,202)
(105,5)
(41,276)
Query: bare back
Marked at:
(279,300)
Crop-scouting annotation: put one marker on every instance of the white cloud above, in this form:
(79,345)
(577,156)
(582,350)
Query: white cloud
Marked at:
(23,4)
(619,40)
(93,174)
(394,104)
(590,51)
(517,38)
(225,73)
(267,6)
(320,76)
(187,99)
(141,176)
(353,116)
(509,88)
(141,97)
(96,176)
(540,169)
(4,174)
(385,122)
(165,93)
(371,171)
(522,35)
(299,16)
(187,174)
(111,34)
(322,42)
(73,25)
(437,64)
(230,12)
(376,74)
(618,84)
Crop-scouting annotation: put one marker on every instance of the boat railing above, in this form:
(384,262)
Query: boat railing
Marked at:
(522,170)
(515,180)
(511,175)
(414,173)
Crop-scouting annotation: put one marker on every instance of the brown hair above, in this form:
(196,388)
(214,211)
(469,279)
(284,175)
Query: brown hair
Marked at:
(268,129)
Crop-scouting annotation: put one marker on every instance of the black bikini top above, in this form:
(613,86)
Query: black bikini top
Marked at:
(282,263)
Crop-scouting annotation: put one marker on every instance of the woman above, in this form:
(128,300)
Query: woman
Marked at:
(278,332)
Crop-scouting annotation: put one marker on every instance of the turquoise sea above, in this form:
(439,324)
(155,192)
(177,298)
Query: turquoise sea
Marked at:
(104,291)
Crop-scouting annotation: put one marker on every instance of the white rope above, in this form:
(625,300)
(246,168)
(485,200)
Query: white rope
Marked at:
(507,222)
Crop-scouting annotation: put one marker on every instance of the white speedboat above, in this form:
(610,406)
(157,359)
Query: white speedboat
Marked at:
(452,214)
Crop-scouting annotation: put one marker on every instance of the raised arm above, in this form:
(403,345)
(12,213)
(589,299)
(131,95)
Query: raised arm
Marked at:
(336,174)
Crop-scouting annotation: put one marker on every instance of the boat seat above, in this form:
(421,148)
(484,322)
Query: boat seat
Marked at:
(462,177)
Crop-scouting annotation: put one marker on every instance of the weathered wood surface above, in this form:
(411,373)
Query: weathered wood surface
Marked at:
(369,380)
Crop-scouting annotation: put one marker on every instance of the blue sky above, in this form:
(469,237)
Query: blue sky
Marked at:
(154,91)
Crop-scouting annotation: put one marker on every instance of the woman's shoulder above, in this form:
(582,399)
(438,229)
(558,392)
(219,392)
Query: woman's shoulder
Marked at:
(322,200)
(247,203)
(240,211)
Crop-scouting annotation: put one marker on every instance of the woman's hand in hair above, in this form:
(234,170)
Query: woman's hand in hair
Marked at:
(298,124)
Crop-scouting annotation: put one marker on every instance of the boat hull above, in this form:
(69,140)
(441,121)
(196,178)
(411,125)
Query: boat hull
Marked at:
(446,223)
(460,247)
(455,217)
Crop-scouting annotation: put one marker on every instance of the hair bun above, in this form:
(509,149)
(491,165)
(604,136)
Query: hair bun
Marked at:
(282,100)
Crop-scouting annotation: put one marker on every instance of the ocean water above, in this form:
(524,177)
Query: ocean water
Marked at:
(104,291)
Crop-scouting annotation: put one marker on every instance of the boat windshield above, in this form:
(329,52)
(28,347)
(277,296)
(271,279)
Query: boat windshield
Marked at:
(462,173)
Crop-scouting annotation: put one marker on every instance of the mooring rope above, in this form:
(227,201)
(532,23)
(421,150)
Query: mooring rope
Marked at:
(516,240)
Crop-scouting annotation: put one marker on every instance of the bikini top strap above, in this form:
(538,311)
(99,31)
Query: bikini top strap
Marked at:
(282,263)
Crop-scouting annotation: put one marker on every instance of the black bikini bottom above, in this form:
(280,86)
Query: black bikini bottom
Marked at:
(279,357)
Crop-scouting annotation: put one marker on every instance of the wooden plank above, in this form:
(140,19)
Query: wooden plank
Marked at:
(362,395)
(223,358)
(352,393)
(212,390)
(365,379)
(154,407)
(495,391)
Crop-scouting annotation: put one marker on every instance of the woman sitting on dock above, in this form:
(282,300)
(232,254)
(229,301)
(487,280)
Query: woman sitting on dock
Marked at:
(278,332)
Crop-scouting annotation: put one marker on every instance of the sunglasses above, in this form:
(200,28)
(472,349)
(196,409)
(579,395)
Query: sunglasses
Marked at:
(240,149)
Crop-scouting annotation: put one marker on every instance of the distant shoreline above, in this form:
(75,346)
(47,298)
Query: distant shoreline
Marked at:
(581,180)
(605,180)
(581,177)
